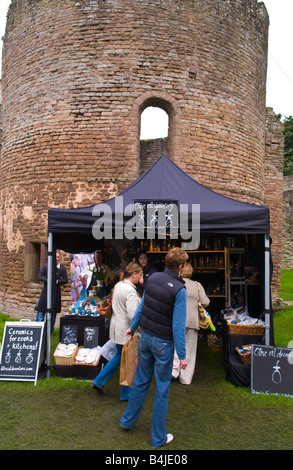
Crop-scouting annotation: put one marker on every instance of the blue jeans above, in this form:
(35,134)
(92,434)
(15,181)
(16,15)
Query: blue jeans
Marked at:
(108,371)
(41,317)
(155,356)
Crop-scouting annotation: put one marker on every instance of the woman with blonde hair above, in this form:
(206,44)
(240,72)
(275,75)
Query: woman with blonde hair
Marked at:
(124,304)
(195,292)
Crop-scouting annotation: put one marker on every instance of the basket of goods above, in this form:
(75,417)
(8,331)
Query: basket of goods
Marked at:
(217,345)
(229,313)
(65,354)
(87,356)
(240,323)
(210,339)
(242,328)
(245,354)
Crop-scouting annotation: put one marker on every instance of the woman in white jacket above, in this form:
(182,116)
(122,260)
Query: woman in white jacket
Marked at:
(124,304)
(195,291)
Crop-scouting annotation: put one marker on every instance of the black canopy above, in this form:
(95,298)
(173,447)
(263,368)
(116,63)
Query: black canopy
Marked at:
(71,229)
(164,180)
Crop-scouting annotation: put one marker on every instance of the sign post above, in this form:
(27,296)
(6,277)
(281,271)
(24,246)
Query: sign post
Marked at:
(21,350)
(271,370)
(91,337)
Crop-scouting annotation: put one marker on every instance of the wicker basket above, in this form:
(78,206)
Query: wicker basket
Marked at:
(217,345)
(210,339)
(238,329)
(245,357)
(65,360)
(94,364)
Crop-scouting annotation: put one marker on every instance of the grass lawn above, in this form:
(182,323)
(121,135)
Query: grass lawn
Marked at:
(287,285)
(283,327)
(210,414)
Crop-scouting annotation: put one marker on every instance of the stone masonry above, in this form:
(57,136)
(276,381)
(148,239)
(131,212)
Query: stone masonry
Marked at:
(77,74)
(287,258)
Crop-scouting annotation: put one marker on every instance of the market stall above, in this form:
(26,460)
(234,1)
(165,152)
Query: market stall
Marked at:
(88,334)
(226,226)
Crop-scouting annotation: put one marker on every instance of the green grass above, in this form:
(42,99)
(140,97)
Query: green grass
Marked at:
(283,327)
(209,414)
(61,414)
(287,285)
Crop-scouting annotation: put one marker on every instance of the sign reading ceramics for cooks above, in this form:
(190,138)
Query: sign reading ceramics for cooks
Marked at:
(20,352)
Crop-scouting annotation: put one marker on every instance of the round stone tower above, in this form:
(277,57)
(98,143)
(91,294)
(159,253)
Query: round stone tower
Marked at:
(77,74)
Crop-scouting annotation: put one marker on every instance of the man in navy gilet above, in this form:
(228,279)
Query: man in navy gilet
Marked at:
(161,316)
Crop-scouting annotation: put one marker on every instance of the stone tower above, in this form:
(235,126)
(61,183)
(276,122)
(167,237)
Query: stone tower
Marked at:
(77,75)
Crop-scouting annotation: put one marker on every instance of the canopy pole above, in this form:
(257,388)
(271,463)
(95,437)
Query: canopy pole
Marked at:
(49,299)
(267,291)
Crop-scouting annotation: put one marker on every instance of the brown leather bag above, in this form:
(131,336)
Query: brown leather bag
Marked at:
(106,308)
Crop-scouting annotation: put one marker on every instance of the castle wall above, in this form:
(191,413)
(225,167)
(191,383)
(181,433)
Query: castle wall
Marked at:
(274,191)
(287,255)
(77,76)
(150,151)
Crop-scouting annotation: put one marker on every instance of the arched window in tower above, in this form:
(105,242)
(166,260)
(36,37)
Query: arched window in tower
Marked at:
(154,123)
(154,128)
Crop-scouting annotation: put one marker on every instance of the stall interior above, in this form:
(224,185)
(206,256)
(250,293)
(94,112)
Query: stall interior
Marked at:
(229,268)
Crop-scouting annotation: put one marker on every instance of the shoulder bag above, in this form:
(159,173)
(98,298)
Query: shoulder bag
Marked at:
(203,321)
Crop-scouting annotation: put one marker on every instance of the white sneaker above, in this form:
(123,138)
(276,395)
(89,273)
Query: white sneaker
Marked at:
(170,438)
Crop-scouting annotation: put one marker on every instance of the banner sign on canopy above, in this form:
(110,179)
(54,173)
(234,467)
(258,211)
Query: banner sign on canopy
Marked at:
(157,215)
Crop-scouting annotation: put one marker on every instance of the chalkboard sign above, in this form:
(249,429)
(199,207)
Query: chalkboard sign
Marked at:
(69,334)
(271,370)
(20,353)
(91,336)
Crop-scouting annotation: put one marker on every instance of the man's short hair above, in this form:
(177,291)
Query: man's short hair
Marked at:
(175,257)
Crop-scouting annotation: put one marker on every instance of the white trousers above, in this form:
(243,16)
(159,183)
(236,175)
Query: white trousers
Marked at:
(185,375)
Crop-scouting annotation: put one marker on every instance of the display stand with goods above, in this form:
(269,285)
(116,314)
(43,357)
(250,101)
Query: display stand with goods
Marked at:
(245,354)
(89,334)
(65,354)
(88,356)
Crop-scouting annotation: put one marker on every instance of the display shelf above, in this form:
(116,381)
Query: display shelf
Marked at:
(189,251)
(235,274)
(213,276)
(211,270)
(212,267)
(216,296)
